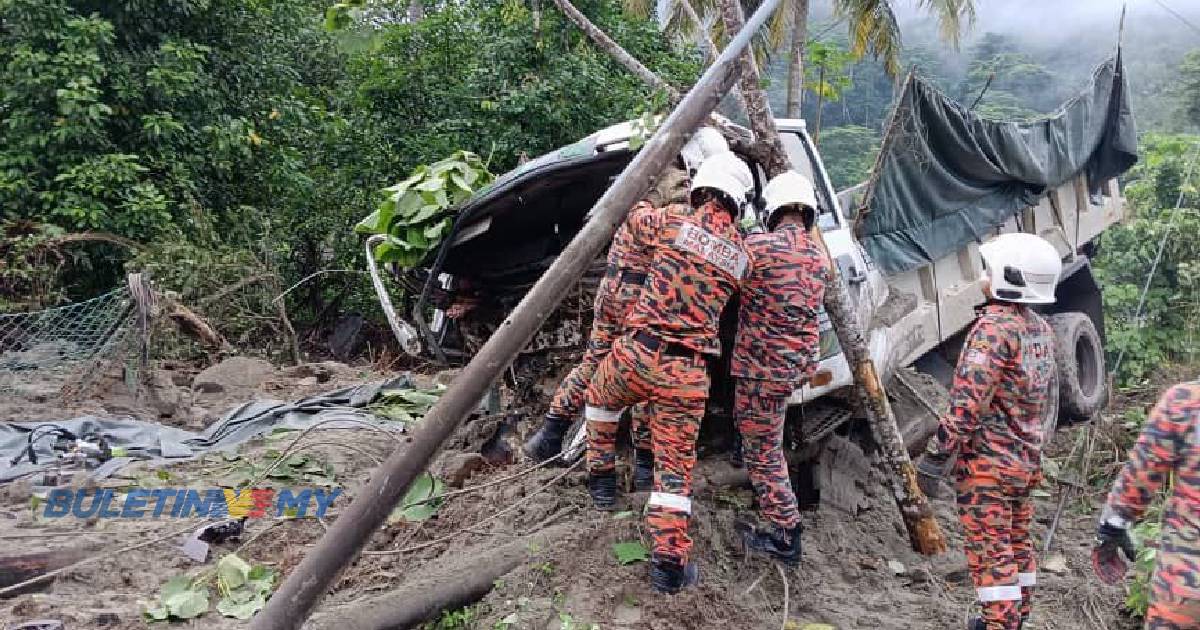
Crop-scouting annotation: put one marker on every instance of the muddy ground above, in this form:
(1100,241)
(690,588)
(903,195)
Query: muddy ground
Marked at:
(857,572)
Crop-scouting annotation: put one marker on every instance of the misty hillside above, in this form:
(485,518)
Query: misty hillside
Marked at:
(1039,52)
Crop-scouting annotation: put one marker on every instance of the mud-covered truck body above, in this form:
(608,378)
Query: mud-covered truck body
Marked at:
(909,256)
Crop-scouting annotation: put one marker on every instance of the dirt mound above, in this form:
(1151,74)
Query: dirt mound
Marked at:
(858,572)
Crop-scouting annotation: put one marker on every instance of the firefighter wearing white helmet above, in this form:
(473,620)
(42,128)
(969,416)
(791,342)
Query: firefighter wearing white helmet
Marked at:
(628,257)
(1021,268)
(789,192)
(698,263)
(1001,389)
(776,351)
(725,177)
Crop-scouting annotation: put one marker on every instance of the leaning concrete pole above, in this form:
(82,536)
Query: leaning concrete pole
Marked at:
(919,520)
(308,583)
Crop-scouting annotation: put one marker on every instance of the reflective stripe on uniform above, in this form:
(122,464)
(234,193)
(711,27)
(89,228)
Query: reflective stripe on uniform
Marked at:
(1027,579)
(998,593)
(671,501)
(600,414)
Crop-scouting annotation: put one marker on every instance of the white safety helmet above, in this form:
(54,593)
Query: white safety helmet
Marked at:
(786,189)
(1021,268)
(704,143)
(727,175)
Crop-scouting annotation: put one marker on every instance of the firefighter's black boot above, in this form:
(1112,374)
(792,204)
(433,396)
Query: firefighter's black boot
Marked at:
(643,470)
(547,442)
(668,576)
(603,488)
(782,545)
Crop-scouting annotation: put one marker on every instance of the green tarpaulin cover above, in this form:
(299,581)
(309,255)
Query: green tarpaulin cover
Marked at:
(948,177)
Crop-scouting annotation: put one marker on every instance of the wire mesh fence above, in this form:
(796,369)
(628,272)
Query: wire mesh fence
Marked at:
(57,351)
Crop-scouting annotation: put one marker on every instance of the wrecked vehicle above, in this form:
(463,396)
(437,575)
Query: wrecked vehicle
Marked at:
(906,243)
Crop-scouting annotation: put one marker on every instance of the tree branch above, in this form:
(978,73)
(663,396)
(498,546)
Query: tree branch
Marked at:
(606,43)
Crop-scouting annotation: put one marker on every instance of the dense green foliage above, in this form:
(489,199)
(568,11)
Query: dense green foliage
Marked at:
(849,152)
(239,139)
(184,119)
(479,76)
(1168,330)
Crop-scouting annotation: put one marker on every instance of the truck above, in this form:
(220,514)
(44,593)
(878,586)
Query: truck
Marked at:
(915,315)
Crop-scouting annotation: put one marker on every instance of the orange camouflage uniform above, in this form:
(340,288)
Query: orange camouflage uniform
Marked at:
(1169,445)
(628,257)
(776,349)
(1000,389)
(699,262)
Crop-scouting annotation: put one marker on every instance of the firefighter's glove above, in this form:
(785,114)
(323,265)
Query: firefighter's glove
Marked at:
(1111,542)
(930,470)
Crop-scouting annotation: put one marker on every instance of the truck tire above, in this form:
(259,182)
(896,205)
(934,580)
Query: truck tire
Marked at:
(1080,357)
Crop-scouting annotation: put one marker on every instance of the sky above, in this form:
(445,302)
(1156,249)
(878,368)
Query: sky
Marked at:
(1059,19)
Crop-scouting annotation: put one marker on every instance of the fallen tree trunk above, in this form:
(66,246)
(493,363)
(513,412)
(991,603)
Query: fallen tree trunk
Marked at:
(303,589)
(923,531)
(758,109)
(15,570)
(428,593)
(606,43)
(194,326)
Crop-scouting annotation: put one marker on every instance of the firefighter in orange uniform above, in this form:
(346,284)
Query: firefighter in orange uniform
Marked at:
(995,425)
(628,258)
(776,350)
(1169,447)
(698,263)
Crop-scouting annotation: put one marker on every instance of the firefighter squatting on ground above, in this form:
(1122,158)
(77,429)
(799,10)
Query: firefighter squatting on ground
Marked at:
(673,266)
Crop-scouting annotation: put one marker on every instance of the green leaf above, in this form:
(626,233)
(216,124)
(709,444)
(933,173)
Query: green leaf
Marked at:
(420,502)
(407,206)
(440,198)
(619,516)
(431,184)
(417,397)
(232,572)
(435,231)
(378,221)
(163,474)
(230,607)
(426,212)
(175,585)
(415,237)
(187,604)
(262,574)
(157,613)
(630,552)
(402,187)
(461,182)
